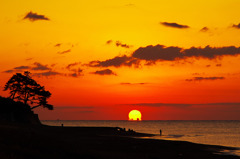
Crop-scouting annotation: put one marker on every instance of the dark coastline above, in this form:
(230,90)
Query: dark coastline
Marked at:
(50,142)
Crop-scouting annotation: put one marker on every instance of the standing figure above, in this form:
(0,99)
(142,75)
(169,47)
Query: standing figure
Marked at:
(160,132)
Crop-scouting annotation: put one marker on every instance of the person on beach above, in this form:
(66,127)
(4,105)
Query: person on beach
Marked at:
(160,132)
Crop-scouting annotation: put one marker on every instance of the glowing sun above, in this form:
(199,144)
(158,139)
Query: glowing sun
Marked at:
(135,115)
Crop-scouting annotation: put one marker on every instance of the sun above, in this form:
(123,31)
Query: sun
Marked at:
(135,115)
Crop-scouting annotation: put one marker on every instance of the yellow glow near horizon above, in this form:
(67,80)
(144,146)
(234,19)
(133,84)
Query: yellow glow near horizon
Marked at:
(135,115)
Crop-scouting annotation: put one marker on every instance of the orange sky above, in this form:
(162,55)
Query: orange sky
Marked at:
(172,60)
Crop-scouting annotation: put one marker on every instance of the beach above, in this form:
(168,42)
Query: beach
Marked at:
(55,142)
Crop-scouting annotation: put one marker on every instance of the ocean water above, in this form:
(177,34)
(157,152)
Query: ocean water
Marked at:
(225,133)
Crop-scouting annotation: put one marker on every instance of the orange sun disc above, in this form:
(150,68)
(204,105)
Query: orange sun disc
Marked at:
(135,115)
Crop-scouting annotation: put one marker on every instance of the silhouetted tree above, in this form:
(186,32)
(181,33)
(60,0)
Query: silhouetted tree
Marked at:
(25,89)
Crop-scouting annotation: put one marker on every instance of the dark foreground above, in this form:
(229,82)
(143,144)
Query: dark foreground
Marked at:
(45,142)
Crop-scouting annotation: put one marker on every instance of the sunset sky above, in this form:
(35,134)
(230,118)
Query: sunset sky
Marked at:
(169,59)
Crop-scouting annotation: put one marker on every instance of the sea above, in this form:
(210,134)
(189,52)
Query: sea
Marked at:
(213,132)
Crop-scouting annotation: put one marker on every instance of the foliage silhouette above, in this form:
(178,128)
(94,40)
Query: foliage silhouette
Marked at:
(25,89)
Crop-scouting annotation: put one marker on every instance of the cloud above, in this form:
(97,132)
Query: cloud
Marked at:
(236,26)
(116,62)
(196,74)
(162,104)
(109,42)
(48,73)
(133,83)
(181,104)
(208,65)
(158,52)
(104,72)
(205,78)
(72,107)
(174,25)
(130,5)
(22,67)
(64,52)
(163,53)
(8,71)
(39,66)
(152,54)
(28,59)
(58,45)
(34,16)
(69,66)
(204,29)
(118,43)
(77,72)
(218,65)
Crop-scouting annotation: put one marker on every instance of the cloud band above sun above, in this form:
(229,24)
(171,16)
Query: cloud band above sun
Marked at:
(159,53)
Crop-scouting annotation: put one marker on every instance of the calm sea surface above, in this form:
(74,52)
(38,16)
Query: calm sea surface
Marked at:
(226,133)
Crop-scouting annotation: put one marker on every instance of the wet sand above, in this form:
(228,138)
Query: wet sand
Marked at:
(48,142)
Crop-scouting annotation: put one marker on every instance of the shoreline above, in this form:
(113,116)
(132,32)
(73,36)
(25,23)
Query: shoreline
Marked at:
(25,141)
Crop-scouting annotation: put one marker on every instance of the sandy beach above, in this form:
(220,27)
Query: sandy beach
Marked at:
(48,142)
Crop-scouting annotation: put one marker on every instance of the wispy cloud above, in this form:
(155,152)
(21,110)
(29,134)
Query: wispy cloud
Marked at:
(181,104)
(109,42)
(127,83)
(22,67)
(64,52)
(205,78)
(152,54)
(58,45)
(236,26)
(8,71)
(28,59)
(116,62)
(104,72)
(39,66)
(163,53)
(204,29)
(119,44)
(69,66)
(76,72)
(34,16)
(47,74)
(174,25)
(37,69)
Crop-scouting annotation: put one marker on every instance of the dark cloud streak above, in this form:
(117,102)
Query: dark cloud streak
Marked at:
(152,54)
(104,72)
(39,66)
(47,74)
(116,62)
(204,29)
(34,16)
(236,26)
(175,25)
(181,104)
(205,78)
(22,67)
(127,83)
(118,43)
(64,52)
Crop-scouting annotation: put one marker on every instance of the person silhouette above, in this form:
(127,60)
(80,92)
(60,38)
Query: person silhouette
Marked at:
(160,132)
